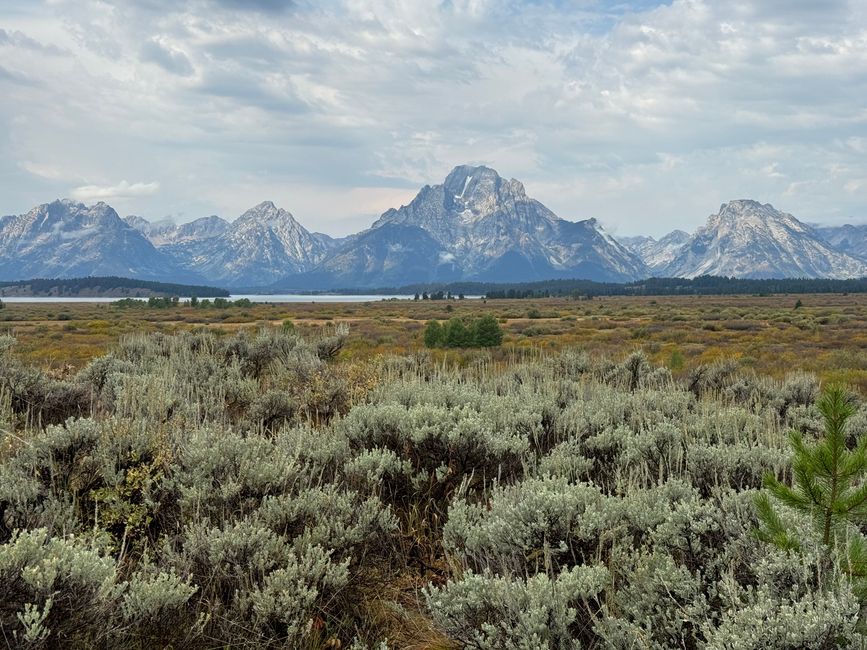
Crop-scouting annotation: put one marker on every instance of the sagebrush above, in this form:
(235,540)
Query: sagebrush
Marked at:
(256,490)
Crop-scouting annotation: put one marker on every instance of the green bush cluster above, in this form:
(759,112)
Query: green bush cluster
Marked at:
(227,492)
(483,332)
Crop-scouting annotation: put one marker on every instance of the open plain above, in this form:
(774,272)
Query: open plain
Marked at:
(825,334)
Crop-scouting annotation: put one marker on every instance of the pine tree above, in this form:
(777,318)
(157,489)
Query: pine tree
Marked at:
(433,334)
(457,335)
(487,332)
(828,484)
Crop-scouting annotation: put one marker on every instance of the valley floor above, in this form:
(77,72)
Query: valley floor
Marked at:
(224,488)
(826,335)
(308,476)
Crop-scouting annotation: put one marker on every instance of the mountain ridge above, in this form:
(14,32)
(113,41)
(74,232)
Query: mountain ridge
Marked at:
(748,239)
(474,226)
(66,238)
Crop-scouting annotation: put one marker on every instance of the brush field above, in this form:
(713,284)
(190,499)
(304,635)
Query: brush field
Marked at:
(826,336)
(309,476)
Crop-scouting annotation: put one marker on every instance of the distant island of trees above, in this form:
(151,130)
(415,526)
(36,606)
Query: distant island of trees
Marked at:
(108,286)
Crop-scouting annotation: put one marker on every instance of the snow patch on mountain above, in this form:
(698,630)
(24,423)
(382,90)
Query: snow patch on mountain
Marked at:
(482,219)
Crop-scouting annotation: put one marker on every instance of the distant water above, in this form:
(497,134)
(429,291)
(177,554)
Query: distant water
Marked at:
(283,297)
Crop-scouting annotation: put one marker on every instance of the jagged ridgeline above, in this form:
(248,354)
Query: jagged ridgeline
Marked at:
(474,226)
(247,491)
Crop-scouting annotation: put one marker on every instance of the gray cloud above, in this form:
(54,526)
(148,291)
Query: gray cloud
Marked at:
(645,114)
(20,40)
(171,60)
(268,6)
(271,92)
(15,77)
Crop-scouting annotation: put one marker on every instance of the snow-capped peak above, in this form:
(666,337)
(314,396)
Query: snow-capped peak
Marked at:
(486,221)
(750,239)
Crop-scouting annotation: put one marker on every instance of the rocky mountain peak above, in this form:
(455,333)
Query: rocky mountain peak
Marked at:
(266,212)
(66,238)
(676,236)
(743,217)
(51,219)
(495,230)
(751,239)
(476,192)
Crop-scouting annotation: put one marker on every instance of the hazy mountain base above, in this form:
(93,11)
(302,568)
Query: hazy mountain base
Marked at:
(252,492)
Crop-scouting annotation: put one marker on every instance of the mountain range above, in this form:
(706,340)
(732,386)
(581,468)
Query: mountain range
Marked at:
(475,225)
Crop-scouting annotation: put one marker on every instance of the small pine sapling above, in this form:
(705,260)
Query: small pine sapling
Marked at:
(828,484)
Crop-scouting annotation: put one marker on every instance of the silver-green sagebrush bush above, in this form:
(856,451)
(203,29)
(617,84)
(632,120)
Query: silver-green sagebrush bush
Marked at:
(492,611)
(205,491)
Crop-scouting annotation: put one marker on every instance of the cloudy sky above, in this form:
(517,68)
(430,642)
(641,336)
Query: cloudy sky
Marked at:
(644,114)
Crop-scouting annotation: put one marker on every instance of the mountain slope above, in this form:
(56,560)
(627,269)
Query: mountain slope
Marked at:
(474,226)
(491,226)
(67,239)
(848,239)
(167,232)
(388,256)
(263,245)
(657,254)
(747,239)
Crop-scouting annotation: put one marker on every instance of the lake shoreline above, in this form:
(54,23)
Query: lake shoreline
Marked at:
(256,298)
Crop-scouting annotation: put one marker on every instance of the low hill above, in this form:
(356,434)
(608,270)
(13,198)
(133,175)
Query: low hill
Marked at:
(109,287)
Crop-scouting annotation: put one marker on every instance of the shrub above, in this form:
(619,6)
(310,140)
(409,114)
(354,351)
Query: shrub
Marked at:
(483,332)
(56,591)
(488,611)
(258,490)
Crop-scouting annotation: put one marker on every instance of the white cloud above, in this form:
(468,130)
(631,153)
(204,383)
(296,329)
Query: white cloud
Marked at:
(47,171)
(122,190)
(646,116)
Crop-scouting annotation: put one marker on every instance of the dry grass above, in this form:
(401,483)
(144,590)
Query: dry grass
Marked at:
(827,335)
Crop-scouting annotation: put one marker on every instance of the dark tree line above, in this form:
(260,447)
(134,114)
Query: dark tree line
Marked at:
(159,302)
(74,286)
(705,285)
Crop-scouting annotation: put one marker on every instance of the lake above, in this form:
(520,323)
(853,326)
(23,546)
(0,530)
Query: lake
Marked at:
(283,297)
